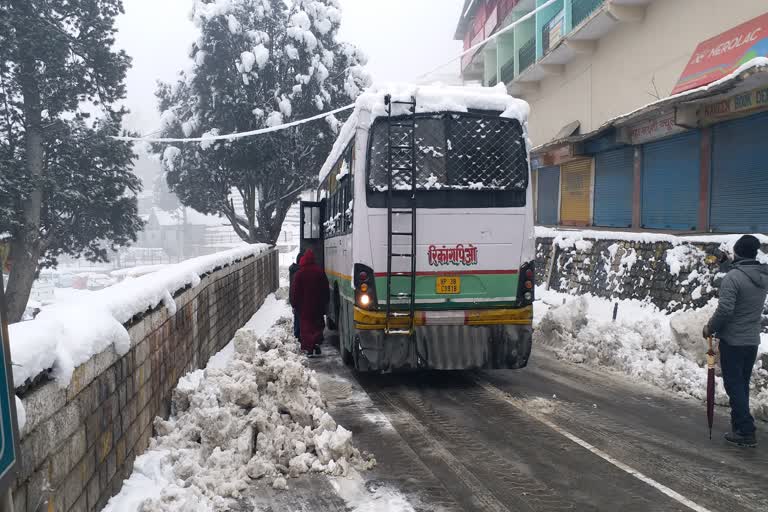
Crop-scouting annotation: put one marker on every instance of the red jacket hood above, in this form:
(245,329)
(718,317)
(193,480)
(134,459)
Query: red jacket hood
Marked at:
(308,258)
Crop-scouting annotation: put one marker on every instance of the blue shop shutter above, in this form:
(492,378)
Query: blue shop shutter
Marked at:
(671,183)
(549,195)
(740,176)
(614,176)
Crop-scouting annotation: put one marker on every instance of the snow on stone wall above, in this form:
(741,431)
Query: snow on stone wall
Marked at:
(81,438)
(671,272)
(665,288)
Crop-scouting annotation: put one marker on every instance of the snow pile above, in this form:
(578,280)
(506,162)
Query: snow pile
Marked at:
(66,335)
(664,350)
(683,257)
(565,236)
(258,420)
(21,414)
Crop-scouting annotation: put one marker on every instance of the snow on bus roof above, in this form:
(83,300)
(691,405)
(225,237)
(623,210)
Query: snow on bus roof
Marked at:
(429,98)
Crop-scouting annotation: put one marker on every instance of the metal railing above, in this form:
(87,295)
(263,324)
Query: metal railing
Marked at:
(508,71)
(527,54)
(583,8)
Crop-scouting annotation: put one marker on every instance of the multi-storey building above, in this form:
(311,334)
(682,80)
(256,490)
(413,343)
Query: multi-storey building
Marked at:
(622,133)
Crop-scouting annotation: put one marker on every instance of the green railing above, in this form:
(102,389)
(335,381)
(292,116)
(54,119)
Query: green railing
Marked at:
(583,8)
(508,71)
(527,54)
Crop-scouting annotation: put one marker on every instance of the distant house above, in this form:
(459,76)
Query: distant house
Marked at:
(183,233)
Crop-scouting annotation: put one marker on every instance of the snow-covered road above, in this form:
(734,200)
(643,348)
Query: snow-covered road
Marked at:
(555,436)
(263,429)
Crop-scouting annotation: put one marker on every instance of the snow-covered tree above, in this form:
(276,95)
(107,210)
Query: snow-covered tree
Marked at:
(257,64)
(65,186)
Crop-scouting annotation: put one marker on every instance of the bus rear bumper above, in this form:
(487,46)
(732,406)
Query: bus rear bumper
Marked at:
(446,347)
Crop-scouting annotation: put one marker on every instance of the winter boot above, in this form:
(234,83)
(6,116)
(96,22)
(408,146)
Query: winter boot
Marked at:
(747,440)
(317,350)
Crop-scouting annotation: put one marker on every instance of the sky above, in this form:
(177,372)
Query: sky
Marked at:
(402,40)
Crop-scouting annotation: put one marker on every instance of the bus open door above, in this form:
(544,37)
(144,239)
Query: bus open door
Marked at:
(312,230)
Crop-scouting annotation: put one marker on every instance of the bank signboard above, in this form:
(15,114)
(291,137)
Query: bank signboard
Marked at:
(720,56)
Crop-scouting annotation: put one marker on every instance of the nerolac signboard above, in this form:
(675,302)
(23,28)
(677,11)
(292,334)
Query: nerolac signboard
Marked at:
(721,55)
(9,435)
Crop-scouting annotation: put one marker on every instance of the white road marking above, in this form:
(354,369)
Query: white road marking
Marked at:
(506,397)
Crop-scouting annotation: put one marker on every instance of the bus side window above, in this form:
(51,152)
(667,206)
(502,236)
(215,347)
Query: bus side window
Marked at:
(343,198)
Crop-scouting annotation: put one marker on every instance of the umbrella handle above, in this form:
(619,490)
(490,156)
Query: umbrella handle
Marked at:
(710,354)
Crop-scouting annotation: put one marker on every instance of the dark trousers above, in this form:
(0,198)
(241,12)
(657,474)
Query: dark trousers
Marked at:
(736,363)
(296,323)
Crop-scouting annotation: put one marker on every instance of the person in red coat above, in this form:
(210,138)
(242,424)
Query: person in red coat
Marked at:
(310,295)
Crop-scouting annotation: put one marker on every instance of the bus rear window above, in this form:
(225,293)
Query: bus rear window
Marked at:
(454,151)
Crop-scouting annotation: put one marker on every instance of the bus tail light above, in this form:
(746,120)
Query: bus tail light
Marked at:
(526,289)
(365,286)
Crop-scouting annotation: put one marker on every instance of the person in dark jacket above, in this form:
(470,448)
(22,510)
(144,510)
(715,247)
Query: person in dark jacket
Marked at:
(310,295)
(292,270)
(737,323)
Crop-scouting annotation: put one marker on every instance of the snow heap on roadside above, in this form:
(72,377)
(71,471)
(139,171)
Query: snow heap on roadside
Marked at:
(565,237)
(646,343)
(259,420)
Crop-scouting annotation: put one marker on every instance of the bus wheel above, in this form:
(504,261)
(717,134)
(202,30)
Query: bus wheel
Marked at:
(346,355)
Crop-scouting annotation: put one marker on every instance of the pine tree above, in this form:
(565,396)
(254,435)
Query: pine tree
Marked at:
(257,64)
(65,186)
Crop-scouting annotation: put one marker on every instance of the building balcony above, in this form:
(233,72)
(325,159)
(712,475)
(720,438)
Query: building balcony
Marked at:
(542,46)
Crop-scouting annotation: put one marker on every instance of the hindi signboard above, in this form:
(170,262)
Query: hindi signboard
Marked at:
(721,55)
(652,129)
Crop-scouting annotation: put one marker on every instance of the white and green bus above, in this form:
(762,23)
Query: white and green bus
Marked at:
(424,222)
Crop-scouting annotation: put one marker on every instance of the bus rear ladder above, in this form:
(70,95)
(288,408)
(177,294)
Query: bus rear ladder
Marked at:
(405,147)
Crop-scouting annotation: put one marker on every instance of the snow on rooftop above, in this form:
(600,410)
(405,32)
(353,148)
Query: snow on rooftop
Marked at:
(68,334)
(750,64)
(429,99)
(137,271)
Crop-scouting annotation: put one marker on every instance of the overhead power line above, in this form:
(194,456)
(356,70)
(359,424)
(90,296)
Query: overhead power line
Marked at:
(239,135)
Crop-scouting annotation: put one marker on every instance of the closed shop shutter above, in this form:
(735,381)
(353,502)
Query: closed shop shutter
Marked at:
(548,185)
(614,177)
(671,183)
(575,193)
(740,176)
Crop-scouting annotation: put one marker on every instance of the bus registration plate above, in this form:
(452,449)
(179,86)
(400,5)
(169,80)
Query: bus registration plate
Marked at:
(448,285)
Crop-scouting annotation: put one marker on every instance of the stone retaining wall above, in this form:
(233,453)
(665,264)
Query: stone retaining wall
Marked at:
(624,269)
(80,442)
